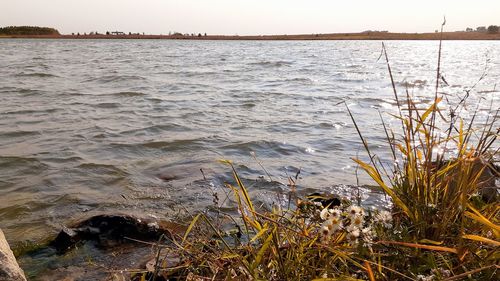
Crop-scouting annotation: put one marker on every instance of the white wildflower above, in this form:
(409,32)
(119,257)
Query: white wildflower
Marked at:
(325,231)
(327,213)
(335,212)
(333,225)
(421,277)
(352,234)
(367,234)
(355,210)
(324,214)
(384,218)
(357,220)
(354,230)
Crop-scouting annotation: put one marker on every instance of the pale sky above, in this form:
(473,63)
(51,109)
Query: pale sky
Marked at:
(246,17)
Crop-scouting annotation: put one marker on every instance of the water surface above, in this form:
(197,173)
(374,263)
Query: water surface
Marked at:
(125,126)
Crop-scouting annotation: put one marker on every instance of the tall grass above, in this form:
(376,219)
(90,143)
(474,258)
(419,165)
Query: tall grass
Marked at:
(437,194)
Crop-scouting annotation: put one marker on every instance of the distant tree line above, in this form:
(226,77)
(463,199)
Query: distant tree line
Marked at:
(492,29)
(28,30)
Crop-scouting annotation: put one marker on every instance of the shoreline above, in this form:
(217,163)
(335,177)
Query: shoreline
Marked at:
(332,36)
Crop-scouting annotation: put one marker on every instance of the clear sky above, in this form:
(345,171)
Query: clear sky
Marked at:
(245,17)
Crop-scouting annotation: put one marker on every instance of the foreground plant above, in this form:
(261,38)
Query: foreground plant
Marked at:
(445,203)
(277,244)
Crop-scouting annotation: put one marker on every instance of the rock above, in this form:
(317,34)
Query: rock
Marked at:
(9,268)
(112,230)
(66,238)
(329,201)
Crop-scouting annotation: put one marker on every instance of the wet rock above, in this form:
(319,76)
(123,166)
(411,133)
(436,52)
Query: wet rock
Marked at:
(9,268)
(325,201)
(112,230)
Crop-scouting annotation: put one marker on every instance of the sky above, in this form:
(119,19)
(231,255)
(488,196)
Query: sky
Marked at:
(249,17)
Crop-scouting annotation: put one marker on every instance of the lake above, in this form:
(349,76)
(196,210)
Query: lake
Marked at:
(126,125)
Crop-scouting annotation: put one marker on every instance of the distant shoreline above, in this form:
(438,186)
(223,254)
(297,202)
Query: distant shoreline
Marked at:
(332,36)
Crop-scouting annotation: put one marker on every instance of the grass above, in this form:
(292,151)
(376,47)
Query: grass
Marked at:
(441,226)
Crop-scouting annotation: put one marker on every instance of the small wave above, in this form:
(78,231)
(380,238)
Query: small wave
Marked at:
(105,173)
(128,94)
(108,105)
(488,91)
(197,73)
(167,144)
(297,80)
(8,89)
(30,164)
(158,129)
(248,104)
(268,148)
(62,159)
(36,74)
(116,78)
(96,166)
(325,125)
(272,63)
(18,134)
(31,112)
(413,84)
(183,144)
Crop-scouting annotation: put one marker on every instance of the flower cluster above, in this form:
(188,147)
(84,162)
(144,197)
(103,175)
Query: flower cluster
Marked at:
(383,218)
(351,222)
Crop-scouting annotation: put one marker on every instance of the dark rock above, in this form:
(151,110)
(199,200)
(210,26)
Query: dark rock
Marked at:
(65,239)
(111,230)
(325,200)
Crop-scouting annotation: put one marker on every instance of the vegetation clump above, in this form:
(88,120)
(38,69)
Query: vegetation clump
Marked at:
(493,29)
(28,30)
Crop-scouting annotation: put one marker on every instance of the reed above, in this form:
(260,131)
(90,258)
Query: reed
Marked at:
(441,200)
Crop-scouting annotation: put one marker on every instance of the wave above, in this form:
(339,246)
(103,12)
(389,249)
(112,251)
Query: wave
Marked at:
(158,129)
(37,74)
(62,159)
(116,78)
(272,63)
(30,165)
(108,105)
(267,148)
(413,84)
(128,94)
(101,168)
(173,145)
(18,134)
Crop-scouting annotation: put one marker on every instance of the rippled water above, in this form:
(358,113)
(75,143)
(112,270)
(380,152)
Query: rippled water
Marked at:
(127,125)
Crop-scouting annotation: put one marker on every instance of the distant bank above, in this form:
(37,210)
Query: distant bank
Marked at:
(51,33)
(333,36)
